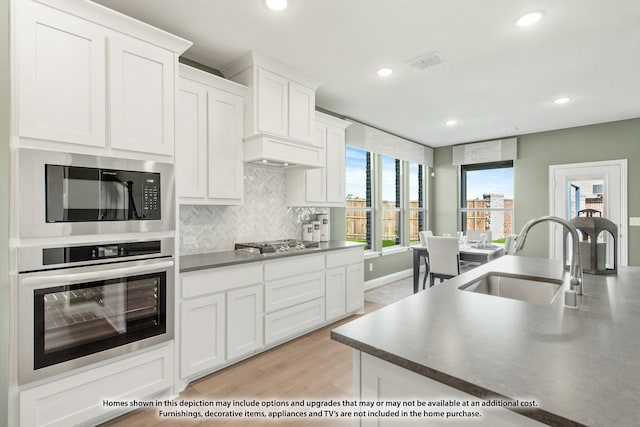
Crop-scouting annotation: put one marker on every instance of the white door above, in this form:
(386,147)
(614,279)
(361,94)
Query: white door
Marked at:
(302,105)
(336,291)
(564,180)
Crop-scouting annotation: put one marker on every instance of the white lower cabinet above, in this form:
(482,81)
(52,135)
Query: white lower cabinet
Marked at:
(203,348)
(294,296)
(78,399)
(292,321)
(336,292)
(344,282)
(228,313)
(244,321)
(221,316)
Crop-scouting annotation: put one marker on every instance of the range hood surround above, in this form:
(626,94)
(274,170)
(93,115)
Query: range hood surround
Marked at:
(273,151)
(279,111)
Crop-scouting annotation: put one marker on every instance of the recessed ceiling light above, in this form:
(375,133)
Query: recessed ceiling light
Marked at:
(529,19)
(384,72)
(562,100)
(276,5)
(451,122)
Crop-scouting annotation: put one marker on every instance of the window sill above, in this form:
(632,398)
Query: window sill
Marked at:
(385,252)
(395,250)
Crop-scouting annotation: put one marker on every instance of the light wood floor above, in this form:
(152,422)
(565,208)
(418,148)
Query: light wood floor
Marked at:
(309,367)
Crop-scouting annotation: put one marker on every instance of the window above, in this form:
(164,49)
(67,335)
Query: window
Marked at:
(358,188)
(417,211)
(391,212)
(385,200)
(487,198)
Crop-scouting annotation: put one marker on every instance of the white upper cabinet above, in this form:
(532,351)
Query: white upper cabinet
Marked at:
(191,155)
(141,95)
(302,106)
(279,113)
(272,103)
(324,186)
(93,81)
(62,77)
(209,165)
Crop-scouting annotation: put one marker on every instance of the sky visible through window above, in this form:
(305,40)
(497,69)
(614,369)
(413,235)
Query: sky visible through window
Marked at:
(490,181)
(356,163)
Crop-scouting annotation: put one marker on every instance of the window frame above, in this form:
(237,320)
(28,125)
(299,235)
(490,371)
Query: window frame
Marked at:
(462,192)
(422,205)
(375,210)
(368,209)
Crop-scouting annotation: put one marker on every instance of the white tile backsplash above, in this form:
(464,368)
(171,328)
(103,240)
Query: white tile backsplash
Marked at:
(264,216)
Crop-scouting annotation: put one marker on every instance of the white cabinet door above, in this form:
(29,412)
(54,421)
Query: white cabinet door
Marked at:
(141,92)
(226,170)
(335,294)
(335,166)
(61,77)
(355,286)
(191,152)
(202,329)
(302,104)
(315,180)
(272,103)
(244,321)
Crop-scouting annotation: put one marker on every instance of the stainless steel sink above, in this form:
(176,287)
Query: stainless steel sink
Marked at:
(535,290)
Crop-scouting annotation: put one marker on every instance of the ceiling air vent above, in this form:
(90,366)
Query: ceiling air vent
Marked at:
(430,59)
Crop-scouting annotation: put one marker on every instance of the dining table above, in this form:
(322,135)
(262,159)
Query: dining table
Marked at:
(469,252)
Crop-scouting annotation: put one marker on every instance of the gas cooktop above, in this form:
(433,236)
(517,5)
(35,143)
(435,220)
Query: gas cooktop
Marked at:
(286,245)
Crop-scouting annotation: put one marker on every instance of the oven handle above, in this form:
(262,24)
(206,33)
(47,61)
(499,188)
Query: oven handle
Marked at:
(96,275)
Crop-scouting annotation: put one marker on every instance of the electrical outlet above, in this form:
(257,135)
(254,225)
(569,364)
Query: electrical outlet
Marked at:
(634,221)
(370,267)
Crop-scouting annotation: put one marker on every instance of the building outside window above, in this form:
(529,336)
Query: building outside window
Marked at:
(487,198)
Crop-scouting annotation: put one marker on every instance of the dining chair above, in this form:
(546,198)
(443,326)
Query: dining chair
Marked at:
(425,255)
(474,235)
(444,258)
(510,244)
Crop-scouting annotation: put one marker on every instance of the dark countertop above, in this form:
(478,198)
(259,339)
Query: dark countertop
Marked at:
(582,366)
(225,258)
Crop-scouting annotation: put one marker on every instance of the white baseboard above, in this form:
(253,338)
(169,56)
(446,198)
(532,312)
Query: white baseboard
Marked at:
(385,280)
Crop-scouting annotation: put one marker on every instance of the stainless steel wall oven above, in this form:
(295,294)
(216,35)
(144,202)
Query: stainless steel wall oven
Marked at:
(75,316)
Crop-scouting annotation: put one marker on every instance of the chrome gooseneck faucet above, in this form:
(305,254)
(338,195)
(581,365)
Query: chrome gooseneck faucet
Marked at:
(575,271)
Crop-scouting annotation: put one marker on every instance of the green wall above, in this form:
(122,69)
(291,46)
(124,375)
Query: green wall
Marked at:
(536,152)
(382,265)
(4,212)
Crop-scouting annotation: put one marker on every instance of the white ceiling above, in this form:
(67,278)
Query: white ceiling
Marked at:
(496,79)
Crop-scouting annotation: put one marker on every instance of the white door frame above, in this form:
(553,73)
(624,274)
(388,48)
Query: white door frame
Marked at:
(622,226)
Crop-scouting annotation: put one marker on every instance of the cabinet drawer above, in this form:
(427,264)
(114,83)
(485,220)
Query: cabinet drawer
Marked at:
(293,320)
(196,283)
(284,293)
(293,266)
(77,399)
(345,257)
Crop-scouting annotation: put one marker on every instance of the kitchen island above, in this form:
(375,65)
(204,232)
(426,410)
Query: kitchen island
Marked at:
(580,366)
